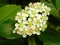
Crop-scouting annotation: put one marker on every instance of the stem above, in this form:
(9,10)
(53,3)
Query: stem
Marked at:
(31,41)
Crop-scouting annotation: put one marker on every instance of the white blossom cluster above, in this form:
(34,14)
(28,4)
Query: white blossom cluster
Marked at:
(32,19)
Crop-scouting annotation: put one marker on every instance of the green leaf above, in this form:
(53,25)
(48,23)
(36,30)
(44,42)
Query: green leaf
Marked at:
(53,11)
(57,4)
(31,41)
(8,12)
(7,16)
(51,43)
(50,35)
(6,30)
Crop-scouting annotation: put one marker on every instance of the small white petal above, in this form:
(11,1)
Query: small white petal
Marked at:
(26,8)
(38,33)
(16,25)
(14,31)
(29,19)
(34,32)
(38,16)
(24,36)
(18,13)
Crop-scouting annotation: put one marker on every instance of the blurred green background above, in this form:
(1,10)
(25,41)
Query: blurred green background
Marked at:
(8,10)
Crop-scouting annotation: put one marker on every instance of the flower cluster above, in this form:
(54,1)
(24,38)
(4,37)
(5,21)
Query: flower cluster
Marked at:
(32,19)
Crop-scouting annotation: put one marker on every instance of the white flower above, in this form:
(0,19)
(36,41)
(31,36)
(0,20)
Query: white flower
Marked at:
(17,25)
(18,13)
(24,36)
(39,16)
(23,33)
(44,27)
(26,8)
(44,18)
(32,19)
(38,33)
(29,19)
(29,32)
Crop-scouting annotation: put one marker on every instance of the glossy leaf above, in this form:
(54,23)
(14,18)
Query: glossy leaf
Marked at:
(6,30)
(7,21)
(57,4)
(50,36)
(54,11)
(8,12)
